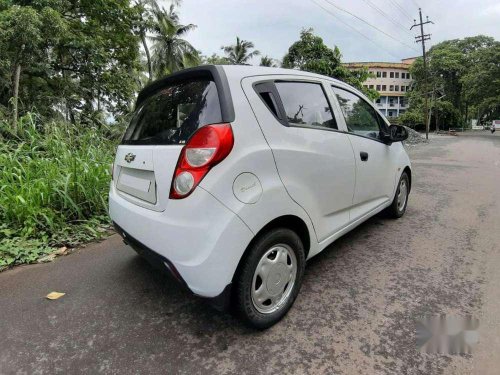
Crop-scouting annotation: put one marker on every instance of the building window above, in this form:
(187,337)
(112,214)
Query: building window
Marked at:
(379,75)
(396,75)
(384,88)
(377,101)
(384,74)
(365,86)
(402,101)
(391,75)
(378,87)
(403,88)
(371,86)
(391,88)
(396,88)
(391,113)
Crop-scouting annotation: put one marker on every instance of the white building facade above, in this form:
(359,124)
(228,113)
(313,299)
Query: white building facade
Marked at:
(391,81)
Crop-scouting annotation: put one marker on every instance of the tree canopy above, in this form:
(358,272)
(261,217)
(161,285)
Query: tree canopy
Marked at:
(465,74)
(311,54)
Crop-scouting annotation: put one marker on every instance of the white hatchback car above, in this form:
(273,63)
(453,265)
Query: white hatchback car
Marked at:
(231,177)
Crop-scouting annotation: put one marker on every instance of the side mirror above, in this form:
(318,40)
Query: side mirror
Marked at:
(396,134)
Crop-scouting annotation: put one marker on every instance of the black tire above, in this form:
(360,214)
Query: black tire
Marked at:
(245,280)
(396,210)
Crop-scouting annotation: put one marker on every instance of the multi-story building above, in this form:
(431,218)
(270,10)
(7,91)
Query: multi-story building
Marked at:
(391,81)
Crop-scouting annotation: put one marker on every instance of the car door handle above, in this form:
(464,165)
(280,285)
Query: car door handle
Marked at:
(363,155)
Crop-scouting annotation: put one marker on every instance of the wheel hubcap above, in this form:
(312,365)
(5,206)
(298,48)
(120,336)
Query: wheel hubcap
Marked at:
(402,195)
(274,278)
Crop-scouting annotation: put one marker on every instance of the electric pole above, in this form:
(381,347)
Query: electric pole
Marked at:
(421,39)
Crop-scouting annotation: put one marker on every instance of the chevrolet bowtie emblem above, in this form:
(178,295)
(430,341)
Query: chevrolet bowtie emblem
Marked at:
(129,157)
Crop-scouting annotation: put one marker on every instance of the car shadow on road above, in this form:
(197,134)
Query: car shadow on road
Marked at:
(195,314)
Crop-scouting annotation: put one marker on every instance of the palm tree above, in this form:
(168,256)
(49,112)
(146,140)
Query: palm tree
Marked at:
(170,51)
(239,53)
(267,61)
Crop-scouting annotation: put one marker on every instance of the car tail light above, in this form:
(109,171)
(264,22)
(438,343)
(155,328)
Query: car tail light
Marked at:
(205,149)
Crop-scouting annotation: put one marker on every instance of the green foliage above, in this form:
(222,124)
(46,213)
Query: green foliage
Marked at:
(54,183)
(241,52)
(76,58)
(267,61)
(466,74)
(311,54)
(215,60)
(170,51)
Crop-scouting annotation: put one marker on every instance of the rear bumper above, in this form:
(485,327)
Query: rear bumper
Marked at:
(220,302)
(198,239)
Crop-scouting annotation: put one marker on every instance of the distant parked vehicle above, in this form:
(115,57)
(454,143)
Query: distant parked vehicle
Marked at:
(231,177)
(495,124)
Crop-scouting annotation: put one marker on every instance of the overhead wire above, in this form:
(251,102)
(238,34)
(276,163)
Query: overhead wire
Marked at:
(387,16)
(369,24)
(353,28)
(401,9)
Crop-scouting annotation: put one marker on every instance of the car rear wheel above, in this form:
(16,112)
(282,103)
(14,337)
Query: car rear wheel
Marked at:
(270,277)
(398,206)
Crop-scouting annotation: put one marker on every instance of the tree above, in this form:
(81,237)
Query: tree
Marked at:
(215,60)
(465,72)
(170,51)
(311,54)
(20,39)
(72,60)
(267,61)
(240,53)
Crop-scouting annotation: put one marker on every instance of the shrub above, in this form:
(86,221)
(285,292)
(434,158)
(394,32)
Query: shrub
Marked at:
(53,183)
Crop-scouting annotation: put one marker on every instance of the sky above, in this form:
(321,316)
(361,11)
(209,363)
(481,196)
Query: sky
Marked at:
(273,25)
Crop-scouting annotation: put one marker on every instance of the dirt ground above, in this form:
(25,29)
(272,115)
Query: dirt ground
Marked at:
(355,313)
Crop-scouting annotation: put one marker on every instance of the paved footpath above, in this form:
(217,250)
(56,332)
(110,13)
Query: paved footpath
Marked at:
(355,313)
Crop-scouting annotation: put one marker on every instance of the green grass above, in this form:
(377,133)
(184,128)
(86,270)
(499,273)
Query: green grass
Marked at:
(54,181)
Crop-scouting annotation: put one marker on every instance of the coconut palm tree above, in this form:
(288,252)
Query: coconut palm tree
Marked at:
(267,61)
(170,52)
(239,53)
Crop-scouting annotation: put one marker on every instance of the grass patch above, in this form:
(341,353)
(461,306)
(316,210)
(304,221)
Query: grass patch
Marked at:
(54,183)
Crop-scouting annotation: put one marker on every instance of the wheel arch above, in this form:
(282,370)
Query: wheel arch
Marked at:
(292,222)
(407,169)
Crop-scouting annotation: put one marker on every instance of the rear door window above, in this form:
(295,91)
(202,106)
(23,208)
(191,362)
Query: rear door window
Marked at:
(305,104)
(173,114)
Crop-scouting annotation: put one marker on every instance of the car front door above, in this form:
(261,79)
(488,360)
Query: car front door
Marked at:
(375,160)
(314,159)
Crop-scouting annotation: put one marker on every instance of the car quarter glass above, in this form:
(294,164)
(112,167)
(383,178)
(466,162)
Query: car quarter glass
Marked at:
(360,117)
(305,104)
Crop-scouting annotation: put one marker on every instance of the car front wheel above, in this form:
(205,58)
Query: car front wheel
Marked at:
(398,206)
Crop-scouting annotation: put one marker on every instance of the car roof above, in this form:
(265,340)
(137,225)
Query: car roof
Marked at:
(242,71)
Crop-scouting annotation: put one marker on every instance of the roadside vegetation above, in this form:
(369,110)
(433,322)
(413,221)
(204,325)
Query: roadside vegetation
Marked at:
(463,83)
(69,75)
(53,182)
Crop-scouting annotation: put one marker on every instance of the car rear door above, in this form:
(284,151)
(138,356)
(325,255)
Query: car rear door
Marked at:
(375,160)
(315,160)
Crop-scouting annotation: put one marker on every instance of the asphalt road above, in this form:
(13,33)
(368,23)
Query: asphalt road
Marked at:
(355,312)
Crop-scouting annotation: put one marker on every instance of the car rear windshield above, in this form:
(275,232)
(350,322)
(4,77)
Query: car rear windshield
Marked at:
(173,114)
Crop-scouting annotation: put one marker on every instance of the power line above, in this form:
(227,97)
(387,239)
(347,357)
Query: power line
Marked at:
(369,24)
(401,9)
(373,6)
(356,30)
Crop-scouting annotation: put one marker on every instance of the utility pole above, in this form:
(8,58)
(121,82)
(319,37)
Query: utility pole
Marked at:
(421,39)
